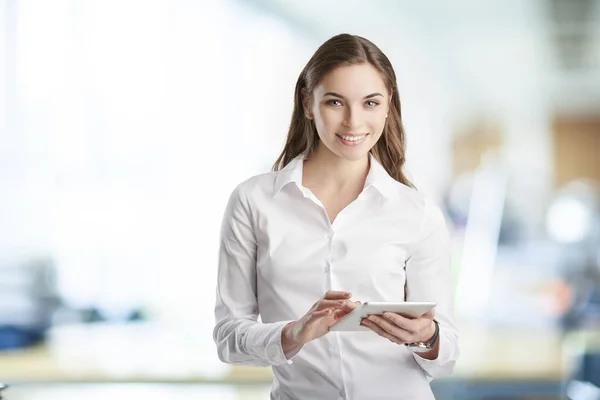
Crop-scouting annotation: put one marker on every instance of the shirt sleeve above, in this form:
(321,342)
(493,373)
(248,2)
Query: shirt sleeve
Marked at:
(239,337)
(428,278)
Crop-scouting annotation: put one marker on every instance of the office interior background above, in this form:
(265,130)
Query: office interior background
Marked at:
(126,124)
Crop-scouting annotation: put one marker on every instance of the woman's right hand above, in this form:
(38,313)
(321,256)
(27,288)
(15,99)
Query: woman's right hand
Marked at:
(316,322)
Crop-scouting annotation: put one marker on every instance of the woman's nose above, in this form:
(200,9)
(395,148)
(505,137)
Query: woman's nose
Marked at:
(352,118)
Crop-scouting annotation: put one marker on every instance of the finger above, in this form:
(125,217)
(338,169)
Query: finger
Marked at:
(323,317)
(429,314)
(339,313)
(401,322)
(342,304)
(389,327)
(323,313)
(378,330)
(337,295)
(332,315)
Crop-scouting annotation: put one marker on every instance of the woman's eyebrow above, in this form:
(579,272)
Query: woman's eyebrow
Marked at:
(341,97)
(333,94)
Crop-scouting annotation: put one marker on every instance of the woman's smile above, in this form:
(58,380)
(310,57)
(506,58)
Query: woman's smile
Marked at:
(351,139)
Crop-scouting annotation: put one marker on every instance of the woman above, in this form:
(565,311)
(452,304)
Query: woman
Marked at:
(337,216)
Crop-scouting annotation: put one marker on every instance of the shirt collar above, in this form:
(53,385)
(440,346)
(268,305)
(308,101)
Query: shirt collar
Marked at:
(290,173)
(377,177)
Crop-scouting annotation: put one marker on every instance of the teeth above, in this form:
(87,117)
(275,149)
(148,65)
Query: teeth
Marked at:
(352,138)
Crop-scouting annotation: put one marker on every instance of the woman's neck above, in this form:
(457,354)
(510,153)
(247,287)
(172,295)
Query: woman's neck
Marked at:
(324,169)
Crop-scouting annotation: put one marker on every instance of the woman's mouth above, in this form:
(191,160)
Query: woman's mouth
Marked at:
(351,140)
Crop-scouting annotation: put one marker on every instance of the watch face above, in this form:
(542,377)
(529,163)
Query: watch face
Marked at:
(419,347)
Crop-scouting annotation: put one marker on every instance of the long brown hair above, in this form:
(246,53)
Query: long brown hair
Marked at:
(345,50)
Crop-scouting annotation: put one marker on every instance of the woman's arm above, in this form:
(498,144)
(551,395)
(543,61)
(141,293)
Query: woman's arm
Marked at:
(428,279)
(239,337)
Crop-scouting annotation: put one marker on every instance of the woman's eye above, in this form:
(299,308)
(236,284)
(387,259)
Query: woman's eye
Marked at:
(371,103)
(334,102)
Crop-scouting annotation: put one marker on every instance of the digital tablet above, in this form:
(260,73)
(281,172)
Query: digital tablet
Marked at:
(351,322)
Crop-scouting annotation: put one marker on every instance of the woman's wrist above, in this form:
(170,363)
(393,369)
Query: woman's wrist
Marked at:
(289,341)
(431,332)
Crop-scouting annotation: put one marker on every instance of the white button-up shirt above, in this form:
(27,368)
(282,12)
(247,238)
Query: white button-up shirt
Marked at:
(279,254)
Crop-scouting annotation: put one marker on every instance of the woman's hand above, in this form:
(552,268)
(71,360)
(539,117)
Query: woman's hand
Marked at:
(316,322)
(401,330)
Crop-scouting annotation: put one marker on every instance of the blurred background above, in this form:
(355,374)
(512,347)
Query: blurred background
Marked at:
(126,124)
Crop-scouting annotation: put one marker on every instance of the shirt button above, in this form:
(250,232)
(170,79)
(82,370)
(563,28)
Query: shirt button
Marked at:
(327,267)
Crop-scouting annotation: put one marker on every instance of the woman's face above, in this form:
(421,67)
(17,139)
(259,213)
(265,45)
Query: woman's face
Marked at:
(349,108)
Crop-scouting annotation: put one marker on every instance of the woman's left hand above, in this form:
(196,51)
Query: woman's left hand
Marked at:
(401,330)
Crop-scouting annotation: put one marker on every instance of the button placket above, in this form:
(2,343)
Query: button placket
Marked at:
(328,263)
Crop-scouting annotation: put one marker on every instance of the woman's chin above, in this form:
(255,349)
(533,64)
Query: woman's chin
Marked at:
(354,154)
(348,153)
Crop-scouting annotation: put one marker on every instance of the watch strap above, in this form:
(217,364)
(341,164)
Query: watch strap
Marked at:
(426,346)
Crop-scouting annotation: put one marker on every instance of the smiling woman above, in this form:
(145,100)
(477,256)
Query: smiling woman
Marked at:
(336,224)
(348,81)
(348,124)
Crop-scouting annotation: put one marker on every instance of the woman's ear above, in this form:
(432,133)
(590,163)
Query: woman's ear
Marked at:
(306,103)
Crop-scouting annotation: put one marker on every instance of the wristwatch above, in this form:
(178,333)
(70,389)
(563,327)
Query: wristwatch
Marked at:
(421,347)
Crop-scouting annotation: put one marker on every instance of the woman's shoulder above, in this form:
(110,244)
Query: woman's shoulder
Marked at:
(259,184)
(420,204)
(408,196)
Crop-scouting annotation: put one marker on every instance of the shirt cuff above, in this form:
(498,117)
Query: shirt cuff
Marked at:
(264,341)
(445,358)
